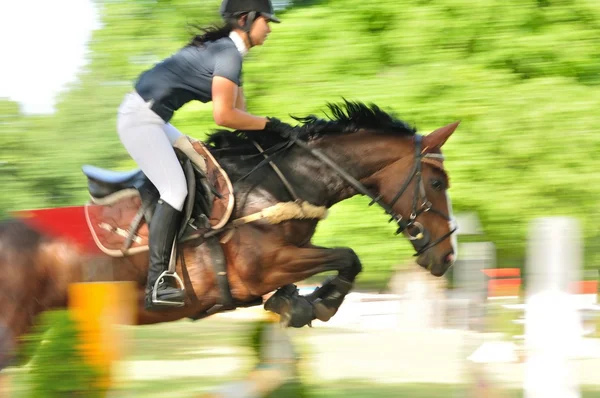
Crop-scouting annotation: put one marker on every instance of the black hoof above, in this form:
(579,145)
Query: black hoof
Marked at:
(295,310)
(300,313)
(281,299)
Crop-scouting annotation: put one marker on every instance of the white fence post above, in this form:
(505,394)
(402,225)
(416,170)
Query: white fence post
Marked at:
(552,321)
(469,279)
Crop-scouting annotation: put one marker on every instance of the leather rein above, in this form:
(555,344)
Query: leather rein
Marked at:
(414,229)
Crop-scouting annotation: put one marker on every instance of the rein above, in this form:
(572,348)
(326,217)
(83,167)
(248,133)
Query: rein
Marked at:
(420,237)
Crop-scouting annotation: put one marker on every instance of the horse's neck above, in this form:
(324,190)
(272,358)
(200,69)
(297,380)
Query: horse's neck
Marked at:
(314,181)
(351,159)
(311,179)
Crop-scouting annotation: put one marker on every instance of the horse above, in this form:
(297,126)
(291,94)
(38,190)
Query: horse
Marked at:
(357,150)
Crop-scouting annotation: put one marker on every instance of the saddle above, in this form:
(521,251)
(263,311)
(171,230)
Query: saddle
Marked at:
(121,204)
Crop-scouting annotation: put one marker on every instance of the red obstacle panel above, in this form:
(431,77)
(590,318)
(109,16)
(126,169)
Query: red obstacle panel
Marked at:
(584,287)
(64,222)
(504,287)
(502,272)
(503,281)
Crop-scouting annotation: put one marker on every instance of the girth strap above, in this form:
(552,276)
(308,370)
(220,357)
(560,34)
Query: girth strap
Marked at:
(220,267)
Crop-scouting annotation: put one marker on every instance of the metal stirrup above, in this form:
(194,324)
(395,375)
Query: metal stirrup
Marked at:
(169,273)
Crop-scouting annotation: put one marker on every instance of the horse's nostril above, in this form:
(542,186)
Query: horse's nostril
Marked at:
(449,259)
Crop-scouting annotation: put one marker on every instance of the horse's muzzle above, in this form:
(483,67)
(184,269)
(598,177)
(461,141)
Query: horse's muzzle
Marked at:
(423,260)
(436,268)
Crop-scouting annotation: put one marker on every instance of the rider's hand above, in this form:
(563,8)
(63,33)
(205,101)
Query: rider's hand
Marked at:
(285,130)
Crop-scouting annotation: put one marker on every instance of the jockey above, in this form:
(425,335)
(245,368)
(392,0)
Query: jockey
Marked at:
(207,69)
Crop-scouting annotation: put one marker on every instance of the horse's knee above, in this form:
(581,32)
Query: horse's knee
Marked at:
(354,265)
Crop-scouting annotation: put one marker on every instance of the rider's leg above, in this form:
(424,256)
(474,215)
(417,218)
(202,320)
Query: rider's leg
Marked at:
(142,133)
(163,229)
(184,144)
(172,133)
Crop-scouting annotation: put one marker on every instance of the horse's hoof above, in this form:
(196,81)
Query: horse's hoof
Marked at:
(301,312)
(281,298)
(295,310)
(285,318)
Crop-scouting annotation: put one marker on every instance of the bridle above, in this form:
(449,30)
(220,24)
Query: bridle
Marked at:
(415,232)
(421,238)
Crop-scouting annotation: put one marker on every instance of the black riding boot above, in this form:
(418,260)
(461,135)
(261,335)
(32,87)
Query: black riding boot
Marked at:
(163,229)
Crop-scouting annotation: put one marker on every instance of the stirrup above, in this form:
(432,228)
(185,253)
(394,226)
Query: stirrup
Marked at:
(166,274)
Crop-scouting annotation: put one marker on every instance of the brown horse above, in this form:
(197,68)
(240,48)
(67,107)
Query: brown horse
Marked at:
(359,150)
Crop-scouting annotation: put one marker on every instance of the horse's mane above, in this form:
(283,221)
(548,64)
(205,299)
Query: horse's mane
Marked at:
(346,118)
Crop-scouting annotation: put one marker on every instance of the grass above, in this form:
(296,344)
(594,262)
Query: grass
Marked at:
(185,388)
(217,339)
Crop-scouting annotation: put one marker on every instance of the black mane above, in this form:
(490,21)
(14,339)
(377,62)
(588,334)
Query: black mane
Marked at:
(346,118)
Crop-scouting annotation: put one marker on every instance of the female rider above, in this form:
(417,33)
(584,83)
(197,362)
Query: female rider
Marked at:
(207,69)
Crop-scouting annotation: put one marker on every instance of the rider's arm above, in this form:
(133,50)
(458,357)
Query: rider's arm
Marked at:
(240,103)
(225,112)
(226,94)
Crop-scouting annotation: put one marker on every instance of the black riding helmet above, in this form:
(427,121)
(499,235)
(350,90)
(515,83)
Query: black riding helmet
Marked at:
(232,9)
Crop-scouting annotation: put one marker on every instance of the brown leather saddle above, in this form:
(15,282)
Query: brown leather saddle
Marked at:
(121,203)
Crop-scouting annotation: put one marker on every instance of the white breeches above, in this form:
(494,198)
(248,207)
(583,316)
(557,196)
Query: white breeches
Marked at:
(149,141)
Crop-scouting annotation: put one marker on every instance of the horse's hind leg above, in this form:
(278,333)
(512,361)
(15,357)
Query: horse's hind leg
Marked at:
(294,264)
(7,354)
(7,345)
(13,312)
(22,284)
(17,318)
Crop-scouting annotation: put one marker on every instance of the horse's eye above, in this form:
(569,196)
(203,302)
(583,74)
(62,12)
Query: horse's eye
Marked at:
(437,185)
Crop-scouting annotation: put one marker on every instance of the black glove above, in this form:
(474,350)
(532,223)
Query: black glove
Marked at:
(285,130)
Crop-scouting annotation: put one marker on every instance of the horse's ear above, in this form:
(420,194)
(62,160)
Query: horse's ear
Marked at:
(438,137)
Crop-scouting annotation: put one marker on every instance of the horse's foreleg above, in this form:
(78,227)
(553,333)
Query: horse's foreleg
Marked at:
(301,263)
(328,298)
(16,322)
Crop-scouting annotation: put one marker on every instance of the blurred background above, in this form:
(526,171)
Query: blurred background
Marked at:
(523,76)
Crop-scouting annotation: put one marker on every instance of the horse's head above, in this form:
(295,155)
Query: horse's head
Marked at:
(414,188)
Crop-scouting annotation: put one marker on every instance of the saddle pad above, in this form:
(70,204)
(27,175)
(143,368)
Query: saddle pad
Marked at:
(110,219)
(109,223)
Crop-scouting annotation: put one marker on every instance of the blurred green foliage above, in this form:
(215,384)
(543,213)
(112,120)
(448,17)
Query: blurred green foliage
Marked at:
(522,75)
(58,368)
